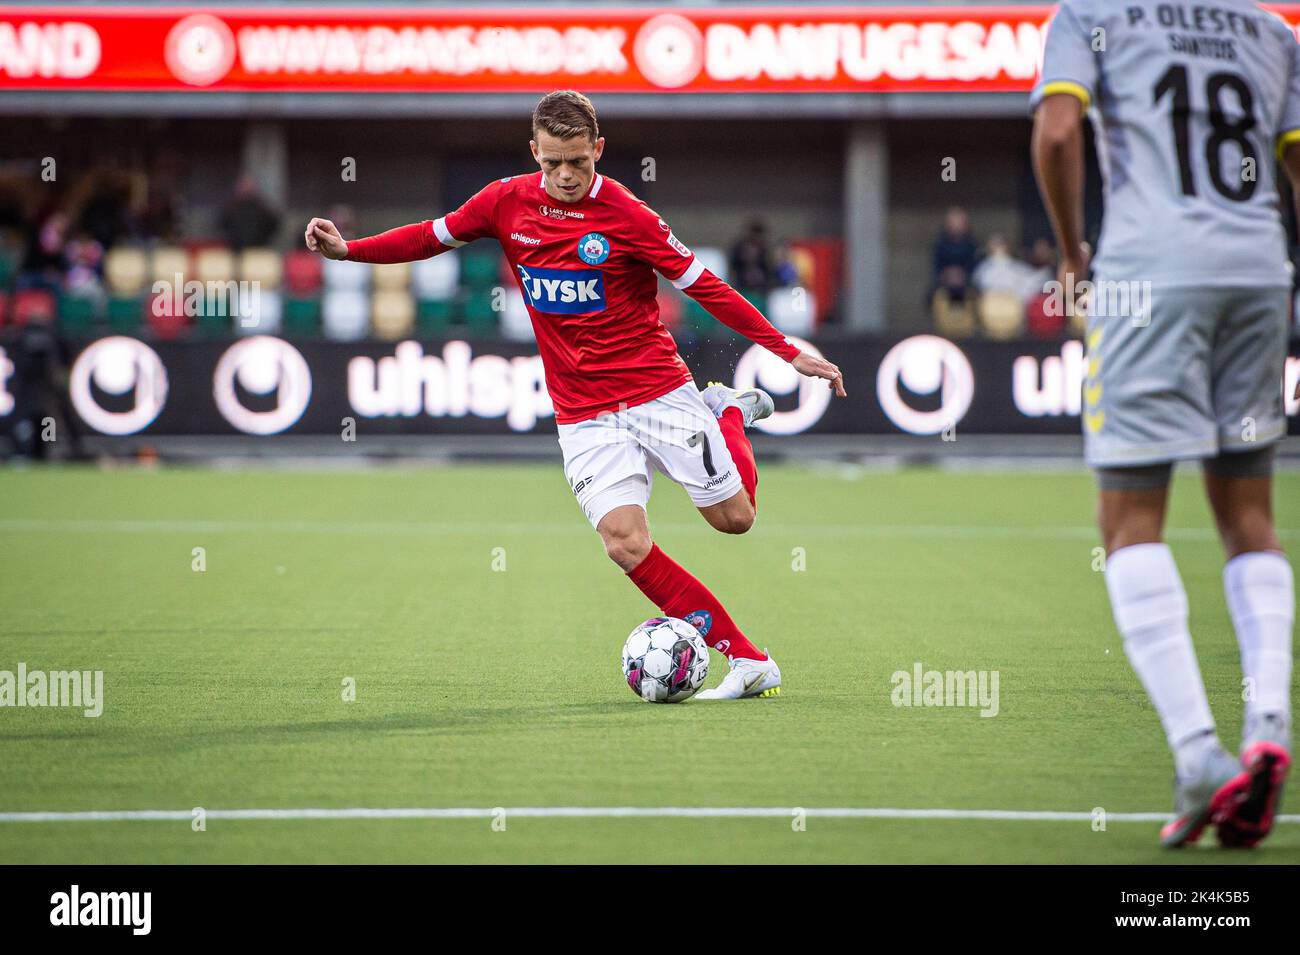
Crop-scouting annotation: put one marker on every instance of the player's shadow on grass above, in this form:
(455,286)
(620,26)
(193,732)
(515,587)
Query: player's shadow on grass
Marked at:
(476,721)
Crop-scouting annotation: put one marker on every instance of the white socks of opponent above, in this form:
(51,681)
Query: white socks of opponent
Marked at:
(1261,598)
(1150,607)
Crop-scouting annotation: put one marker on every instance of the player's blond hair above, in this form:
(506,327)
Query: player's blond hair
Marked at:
(566,114)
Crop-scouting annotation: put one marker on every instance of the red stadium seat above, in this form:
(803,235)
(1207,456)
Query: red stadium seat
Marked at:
(1039,323)
(302,273)
(33,305)
(164,320)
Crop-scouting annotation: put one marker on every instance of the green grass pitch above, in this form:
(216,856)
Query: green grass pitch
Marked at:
(489,677)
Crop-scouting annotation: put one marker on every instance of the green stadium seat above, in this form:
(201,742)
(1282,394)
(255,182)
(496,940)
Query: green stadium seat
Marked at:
(432,316)
(301,317)
(8,266)
(479,268)
(477,314)
(77,313)
(125,315)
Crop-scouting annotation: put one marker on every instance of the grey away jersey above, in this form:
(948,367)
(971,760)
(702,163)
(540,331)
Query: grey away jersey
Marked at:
(1180,95)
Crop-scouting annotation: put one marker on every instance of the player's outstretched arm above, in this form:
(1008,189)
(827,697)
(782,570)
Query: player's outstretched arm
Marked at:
(407,243)
(736,312)
(815,367)
(323,237)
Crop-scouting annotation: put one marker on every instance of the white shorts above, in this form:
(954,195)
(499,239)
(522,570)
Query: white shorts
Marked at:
(610,460)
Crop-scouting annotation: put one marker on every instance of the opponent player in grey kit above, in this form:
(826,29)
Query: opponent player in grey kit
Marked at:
(1190,101)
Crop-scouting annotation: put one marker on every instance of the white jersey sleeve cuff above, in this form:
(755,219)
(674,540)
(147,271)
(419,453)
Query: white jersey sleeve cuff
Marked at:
(444,236)
(687,278)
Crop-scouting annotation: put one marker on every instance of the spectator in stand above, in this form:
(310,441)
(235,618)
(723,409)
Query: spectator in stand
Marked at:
(44,263)
(751,260)
(954,254)
(999,270)
(104,215)
(1042,269)
(83,261)
(248,219)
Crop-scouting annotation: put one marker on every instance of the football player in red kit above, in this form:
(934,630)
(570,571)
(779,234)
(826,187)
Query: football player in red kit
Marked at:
(584,251)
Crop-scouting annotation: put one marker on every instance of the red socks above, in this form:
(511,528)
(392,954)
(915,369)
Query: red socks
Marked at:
(678,594)
(732,424)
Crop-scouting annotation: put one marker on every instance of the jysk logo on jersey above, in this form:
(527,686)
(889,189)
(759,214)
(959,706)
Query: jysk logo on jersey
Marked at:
(593,248)
(563,291)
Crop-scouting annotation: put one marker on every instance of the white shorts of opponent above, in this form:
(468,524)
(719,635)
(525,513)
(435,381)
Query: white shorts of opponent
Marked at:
(610,460)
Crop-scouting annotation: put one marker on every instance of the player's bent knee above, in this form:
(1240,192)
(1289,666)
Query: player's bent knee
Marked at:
(732,516)
(629,550)
(740,522)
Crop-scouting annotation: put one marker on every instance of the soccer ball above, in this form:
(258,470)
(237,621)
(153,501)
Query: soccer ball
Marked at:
(665,660)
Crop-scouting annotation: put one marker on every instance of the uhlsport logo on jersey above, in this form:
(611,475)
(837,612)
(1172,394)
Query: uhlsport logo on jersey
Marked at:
(593,248)
(563,291)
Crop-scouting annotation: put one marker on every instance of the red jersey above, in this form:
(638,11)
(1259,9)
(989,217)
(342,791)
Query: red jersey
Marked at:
(587,273)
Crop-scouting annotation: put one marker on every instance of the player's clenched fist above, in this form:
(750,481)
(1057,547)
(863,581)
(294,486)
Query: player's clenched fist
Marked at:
(815,367)
(322,236)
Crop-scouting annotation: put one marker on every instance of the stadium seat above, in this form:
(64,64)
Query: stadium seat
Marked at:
(436,278)
(393,314)
(479,268)
(77,313)
(32,305)
(8,265)
(125,314)
(345,314)
(1001,314)
(300,317)
(302,272)
(477,312)
(214,264)
(163,319)
(392,277)
(167,262)
(126,270)
(715,260)
(696,317)
(1039,320)
(263,266)
(516,326)
(792,310)
(952,319)
(259,314)
(345,276)
(434,315)
(670,306)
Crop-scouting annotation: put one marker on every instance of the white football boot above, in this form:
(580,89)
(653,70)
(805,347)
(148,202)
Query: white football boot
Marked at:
(747,678)
(754,404)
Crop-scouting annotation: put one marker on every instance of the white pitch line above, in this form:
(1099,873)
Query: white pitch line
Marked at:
(566,528)
(587,812)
